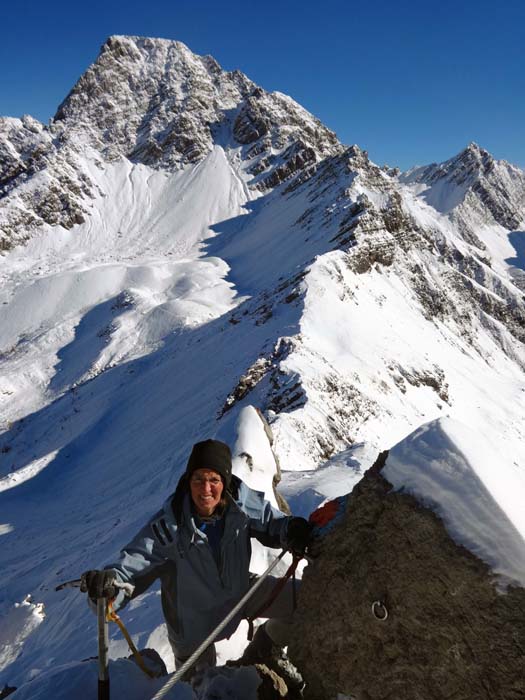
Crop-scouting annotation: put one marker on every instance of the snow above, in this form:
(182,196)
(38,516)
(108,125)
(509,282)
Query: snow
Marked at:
(119,357)
(142,241)
(18,477)
(461,475)
(443,196)
(252,456)
(20,621)
(305,491)
(75,680)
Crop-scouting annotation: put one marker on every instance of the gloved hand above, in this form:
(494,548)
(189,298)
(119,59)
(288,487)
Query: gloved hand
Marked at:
(298,535)
(99,584)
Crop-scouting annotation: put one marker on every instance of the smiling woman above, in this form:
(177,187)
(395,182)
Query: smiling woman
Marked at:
(199,545)
(206,488)
(209,472)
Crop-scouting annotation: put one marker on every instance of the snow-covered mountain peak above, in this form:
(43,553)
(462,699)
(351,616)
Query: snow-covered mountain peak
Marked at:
(151,101)
(475,151)
(140,92)
(462,169)
(156,102)
(474,188)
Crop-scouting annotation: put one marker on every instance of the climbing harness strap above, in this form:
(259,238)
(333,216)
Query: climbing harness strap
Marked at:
(273,595)
(112,616)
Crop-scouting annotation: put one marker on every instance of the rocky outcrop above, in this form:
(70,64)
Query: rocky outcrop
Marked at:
(272,686)
(41,181)
(392,608)
(280,391)
(22,142)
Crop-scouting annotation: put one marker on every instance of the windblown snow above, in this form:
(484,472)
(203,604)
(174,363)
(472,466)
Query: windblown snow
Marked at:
(276,269)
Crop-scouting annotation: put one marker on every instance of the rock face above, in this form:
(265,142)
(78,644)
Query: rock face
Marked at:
(43,180)
(154,101)
(449,632)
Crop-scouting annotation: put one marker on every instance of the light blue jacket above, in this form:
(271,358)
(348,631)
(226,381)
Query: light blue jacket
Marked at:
(197,593)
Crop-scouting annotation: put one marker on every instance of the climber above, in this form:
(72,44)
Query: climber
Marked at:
(198,545)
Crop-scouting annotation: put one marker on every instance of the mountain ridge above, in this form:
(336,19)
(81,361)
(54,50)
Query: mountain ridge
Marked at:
(154,101)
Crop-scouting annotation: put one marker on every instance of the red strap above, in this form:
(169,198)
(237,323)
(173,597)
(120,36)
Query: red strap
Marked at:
(323,515)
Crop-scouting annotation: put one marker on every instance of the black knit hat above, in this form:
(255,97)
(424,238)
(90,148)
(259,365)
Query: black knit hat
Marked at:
(211,454)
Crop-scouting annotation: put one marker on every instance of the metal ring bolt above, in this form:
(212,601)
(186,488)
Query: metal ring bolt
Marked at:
(379,610)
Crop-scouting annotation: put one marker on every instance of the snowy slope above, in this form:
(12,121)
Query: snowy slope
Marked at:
(261,264)
(79,301)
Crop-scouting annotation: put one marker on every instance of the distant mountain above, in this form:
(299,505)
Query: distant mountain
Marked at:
(474,186)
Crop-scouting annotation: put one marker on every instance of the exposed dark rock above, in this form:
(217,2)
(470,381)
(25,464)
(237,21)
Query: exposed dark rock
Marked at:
(434,377)
(287,393)
(449,633)
(279,391)
(296,157)
(436,303)
(374,245)
(251,124)
(247,382)
(350,220)
(504,214)
(353,408)
(395,219)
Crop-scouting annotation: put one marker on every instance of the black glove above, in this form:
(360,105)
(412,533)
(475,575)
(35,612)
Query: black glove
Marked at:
(99,584)
(298,535)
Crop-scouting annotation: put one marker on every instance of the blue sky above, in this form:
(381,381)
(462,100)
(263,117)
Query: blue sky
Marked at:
(411,82)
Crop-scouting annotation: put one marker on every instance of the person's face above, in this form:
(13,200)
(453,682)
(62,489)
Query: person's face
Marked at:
(206,489)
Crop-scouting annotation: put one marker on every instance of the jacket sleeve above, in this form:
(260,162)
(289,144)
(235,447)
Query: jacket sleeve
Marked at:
(267,524)
(139,563)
